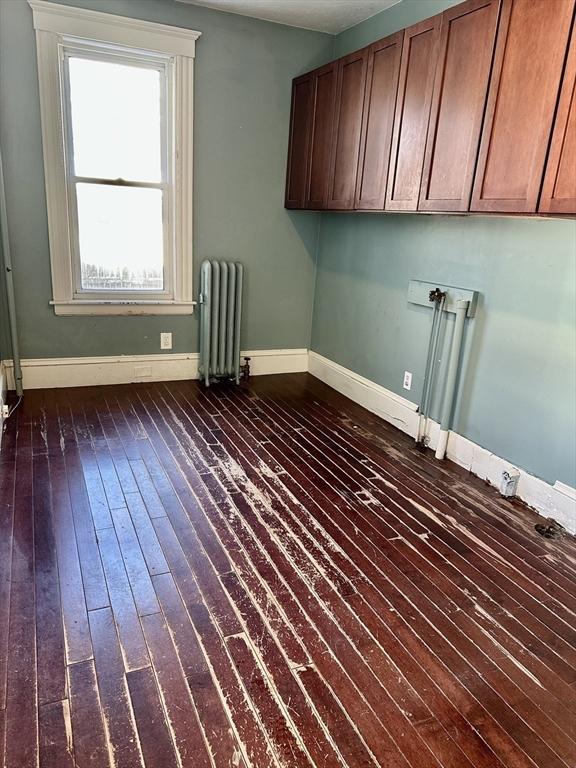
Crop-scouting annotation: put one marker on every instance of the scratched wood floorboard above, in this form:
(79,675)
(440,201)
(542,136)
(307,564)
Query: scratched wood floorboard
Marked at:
(268,576)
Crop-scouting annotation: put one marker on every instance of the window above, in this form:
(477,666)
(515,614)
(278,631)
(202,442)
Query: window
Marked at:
(116,103)
(118,171)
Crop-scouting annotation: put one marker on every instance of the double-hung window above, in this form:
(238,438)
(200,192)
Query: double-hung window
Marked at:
(116,104)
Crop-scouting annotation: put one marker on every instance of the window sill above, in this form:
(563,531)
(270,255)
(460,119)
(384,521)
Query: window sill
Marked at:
(119,307)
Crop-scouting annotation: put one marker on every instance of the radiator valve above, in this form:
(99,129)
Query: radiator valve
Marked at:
(245,369)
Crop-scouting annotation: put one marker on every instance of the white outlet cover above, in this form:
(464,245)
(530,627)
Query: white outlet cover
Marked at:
(165,341)
(407,380)
(142,372)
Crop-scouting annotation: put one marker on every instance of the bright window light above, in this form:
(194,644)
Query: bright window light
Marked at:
(116,169)
(116,120)
(120,237)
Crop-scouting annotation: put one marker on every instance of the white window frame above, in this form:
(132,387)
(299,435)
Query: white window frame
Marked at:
(60,31)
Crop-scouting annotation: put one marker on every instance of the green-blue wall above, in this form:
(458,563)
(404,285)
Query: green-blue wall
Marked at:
(517,396)
(243,74)
(397,17)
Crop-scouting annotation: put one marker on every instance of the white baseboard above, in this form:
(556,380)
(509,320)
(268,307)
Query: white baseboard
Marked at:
(39,373)
(381,401)
(3,392)
(557,501)
(267,361)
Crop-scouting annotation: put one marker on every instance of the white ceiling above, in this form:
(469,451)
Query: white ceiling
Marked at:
(322,15)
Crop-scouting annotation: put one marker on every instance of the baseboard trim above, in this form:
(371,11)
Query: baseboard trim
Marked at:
(39,373)
(264,362)
(381,401)
(557,501)
(3,393)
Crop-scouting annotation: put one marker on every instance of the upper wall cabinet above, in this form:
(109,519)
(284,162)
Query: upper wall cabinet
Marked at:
(419,55)
(377,122)
(300,124)
(322,127)
(471,110)
(467,40)
(559,190)
(530,54)
(347,129)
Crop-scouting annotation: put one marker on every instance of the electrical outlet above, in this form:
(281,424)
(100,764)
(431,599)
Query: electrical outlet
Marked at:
(142,372)
(165,341)
(407,380)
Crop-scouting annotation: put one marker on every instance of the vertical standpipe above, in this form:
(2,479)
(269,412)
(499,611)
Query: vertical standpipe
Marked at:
(439,302)
(9,285)
(451,376)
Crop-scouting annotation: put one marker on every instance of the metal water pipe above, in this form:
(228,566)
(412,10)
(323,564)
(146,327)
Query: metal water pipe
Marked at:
(438,297)
(451,377)
(9,285)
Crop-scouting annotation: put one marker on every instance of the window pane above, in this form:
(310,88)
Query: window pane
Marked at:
(116,113)
(120,236)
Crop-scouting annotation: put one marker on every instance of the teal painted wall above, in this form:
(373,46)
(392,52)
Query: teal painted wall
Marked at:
(243,78)
(397,17)
(517,395)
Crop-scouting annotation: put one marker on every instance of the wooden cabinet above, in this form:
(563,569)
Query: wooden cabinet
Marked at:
(419,54)
(529,60)
(351,81)
(311,128)
(383,69)
(467,40)
(471,110)
(300,124)
(324,90)
(559,190)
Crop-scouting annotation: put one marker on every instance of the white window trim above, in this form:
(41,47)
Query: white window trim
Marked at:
(56,25)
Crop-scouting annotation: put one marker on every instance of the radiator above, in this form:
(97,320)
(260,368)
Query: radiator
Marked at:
(220,316)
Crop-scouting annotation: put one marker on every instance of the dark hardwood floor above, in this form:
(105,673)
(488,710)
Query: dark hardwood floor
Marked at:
(268,576)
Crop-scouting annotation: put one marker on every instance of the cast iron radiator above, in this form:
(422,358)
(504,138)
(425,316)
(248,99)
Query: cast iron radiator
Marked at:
(220,316)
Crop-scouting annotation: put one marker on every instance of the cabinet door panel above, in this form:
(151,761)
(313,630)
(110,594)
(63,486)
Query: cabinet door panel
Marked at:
(350,88)
(467,41)
(559,191)
(419,54)
(321,137)
(300,122)
(530,52)
(382,74)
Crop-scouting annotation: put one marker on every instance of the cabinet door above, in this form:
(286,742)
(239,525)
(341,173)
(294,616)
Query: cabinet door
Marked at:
(350,86)
(419,55)
(324,90)
(382,74)
(300,123)
(559,191)
(467,39)
(530,53)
